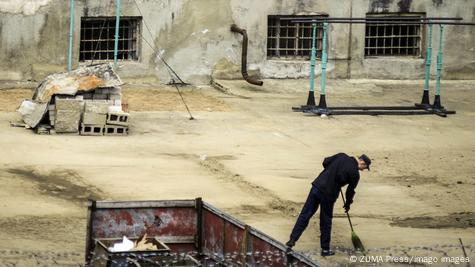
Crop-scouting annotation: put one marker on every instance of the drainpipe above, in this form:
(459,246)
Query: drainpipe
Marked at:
(116,36)
(246,77)
(71,29)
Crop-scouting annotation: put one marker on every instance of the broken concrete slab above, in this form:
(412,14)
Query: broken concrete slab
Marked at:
(82,79)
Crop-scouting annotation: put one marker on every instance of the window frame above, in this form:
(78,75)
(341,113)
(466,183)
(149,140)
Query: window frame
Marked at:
(135,28)
(274,32)
(419,40)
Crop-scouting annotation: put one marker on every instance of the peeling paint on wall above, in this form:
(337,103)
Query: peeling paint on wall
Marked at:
(25,7)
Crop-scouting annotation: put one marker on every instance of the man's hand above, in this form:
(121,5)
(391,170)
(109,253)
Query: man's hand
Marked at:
(346,207)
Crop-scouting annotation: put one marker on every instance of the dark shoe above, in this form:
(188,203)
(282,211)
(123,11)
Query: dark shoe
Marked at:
(290,243)
(327,252)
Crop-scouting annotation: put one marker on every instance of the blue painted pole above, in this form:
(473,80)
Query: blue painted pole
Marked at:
(323,103)
(313,60)
(437,103)
(116,36)
(425,95)
(71,31)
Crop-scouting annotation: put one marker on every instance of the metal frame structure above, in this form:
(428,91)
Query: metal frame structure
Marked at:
(424,108)
(187,226)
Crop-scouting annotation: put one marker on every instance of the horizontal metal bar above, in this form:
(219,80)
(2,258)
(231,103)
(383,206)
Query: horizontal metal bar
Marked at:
(387,22)
(376,108)
(177,239)
(382,112)
(144,204)
(375,18)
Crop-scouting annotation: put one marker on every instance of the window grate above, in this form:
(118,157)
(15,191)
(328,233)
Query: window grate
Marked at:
(393,39)
(286,39)
(97,38)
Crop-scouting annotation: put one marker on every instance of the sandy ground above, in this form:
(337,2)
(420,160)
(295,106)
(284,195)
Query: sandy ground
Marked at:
(249,155)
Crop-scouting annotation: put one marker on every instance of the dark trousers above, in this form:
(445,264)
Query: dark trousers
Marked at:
(314,199)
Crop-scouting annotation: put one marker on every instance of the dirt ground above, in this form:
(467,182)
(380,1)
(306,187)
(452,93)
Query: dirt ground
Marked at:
(249,155)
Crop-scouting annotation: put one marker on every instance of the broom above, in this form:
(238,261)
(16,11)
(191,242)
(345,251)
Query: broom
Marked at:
(357,244)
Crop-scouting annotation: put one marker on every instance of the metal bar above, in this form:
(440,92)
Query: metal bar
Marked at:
(439,60)
(199,234)
(425,95)
(377,108)
(377,112)
(313,57)
(324,59)
(145,204)
(375,18)
(117,22)
(71,30)
(385,22)
(91,205)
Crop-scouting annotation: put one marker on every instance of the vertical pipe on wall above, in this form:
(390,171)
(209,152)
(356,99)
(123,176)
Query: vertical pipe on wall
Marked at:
(116,36)
(311,94)
(71,30)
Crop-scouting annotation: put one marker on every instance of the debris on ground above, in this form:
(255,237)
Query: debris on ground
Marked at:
(86,101)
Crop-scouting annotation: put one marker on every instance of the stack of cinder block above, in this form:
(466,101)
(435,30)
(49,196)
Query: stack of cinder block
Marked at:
(96,112)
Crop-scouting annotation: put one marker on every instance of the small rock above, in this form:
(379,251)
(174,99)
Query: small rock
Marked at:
(459,182)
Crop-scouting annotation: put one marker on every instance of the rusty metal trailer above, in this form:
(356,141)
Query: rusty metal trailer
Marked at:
(189,228)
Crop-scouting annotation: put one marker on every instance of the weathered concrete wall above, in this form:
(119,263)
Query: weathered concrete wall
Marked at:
(193,36)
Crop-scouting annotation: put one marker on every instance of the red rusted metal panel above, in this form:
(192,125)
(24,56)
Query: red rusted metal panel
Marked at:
(112,223)
(213,234)
(233,239)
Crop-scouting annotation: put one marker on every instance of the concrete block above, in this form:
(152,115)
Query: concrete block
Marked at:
(101,107)
(115,96)
(92,118)
(119,118)
(51,107)
(116,130)
(68,104)
(92,129)
(118,103)
(67,121)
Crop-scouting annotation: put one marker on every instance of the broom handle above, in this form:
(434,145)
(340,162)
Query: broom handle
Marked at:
(347,214)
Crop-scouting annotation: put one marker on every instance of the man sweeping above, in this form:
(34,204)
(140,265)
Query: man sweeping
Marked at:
(338,170)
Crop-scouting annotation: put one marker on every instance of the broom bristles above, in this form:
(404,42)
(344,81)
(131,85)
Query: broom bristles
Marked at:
(357,244)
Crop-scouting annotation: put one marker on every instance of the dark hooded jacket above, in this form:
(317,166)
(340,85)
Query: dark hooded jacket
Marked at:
(338,170)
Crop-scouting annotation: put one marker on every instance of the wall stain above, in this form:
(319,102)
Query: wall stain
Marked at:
(380,6)
(437,3)
(404,6)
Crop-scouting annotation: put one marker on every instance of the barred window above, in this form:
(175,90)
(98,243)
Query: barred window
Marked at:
(97,38)
(393,39)
(286,39)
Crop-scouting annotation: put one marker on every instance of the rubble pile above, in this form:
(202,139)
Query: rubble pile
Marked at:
(86,101)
